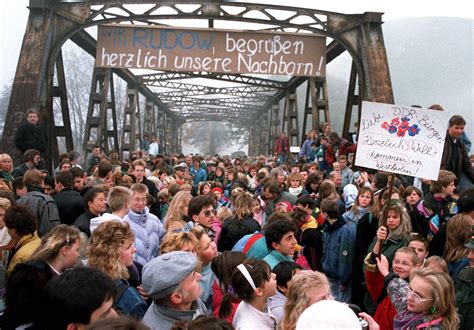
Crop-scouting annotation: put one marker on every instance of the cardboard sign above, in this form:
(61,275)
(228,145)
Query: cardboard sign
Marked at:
(210,50)
(401,139)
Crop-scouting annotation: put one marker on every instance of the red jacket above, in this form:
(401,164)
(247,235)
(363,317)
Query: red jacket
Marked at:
(282,145)
(216,303)
(385,311)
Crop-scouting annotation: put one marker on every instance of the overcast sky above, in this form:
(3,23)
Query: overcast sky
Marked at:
(15,14)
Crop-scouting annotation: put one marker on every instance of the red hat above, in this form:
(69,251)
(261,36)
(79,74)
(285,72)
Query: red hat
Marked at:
(217,189)
(286,204)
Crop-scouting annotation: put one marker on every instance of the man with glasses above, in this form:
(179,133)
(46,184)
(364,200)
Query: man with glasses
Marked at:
(180,173)
(201,211)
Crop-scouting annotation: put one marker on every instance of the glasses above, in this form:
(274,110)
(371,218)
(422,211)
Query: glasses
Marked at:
(404,264)
(209,213)
(416,297)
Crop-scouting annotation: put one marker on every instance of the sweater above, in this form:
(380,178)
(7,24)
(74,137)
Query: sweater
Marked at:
(248,317)
(275,257)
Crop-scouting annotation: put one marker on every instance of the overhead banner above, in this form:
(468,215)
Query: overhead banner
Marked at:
(401,139)
(210,50)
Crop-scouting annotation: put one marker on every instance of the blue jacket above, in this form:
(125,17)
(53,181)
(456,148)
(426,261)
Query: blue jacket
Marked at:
(129,302)
(306,148)
(148,232)
(275,257)
(199,175)
(338,246)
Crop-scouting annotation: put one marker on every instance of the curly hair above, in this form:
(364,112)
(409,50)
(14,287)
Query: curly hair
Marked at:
(105,246)
(298,299)
(60,236)
(178,241)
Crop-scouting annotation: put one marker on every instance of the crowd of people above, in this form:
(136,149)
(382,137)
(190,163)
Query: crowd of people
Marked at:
(272,242)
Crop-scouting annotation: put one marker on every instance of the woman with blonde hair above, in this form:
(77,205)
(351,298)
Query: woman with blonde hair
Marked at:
(59,248)
(428,302)
(111,250)
(458,233)
(6,168)
(307,287)
(176,217)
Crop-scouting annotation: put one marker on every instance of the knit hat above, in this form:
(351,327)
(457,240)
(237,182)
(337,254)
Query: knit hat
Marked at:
(217,189)
(163,274)
(328,314)
(349,193)
(286,204)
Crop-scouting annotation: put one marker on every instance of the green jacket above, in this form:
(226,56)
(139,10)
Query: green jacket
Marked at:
(465,298)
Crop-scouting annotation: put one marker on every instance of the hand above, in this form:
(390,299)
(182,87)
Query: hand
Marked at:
(142,292)
(382,233)
(382,264)
(372,324)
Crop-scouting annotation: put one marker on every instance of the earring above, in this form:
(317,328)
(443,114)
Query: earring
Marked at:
(433,310)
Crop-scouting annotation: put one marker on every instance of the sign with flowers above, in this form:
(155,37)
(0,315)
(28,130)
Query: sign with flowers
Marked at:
(401,139)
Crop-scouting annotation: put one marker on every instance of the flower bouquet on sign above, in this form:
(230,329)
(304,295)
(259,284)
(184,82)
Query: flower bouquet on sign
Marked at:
(401,126)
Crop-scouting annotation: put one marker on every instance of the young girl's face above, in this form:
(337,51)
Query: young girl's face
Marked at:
(230,176)
(256,207)
(420,298)
(281,208)
(163,175)
(72,254)
(6,164)
(420,249)
(295,183)
(207,249)
(269,287)
(127,253)
(218,172)
(218,195)
(280,178)
(253,172)
(206,189)
(413,198)
(449,189)
(393,220)
(365,199)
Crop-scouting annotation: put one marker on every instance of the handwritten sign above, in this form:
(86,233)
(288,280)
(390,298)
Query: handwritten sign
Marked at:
(401,139)
(160,48)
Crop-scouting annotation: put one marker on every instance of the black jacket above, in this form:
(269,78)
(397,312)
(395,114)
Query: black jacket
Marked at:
(29,136)
(455,158)
(70,205)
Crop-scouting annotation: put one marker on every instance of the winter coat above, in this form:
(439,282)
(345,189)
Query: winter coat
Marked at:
(465,298)
(275,257)
(282,146)
(95,222)
(148,232)
(83,222)
(310,237)
(351,216)
(377,288)
(338,243)
(128,301)
(70,205)
(306,148)
(253,245)
(43,207)
(455,158)
(30,136)
(22,251)
(233,230)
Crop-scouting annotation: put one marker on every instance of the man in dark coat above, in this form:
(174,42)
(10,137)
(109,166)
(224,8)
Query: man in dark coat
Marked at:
(31,135)
(455,158)
(70,202)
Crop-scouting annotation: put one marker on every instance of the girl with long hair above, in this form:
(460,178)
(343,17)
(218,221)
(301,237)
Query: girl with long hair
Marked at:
(306,288)
(458,233)
(59,248)
(253,282)
(428,302)
(362,205)
(176,217)
(112,250)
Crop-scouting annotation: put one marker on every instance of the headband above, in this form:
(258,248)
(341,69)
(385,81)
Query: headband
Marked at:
(246,274)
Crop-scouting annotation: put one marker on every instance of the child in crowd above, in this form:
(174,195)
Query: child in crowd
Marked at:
(179,241)
(164,198)
(377,278)
(284,272)
(338,238)
(362,205)
(281,242)
(420,244)
(254,283)
(307,287)
(294,184)
(258,211)
(436,263)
